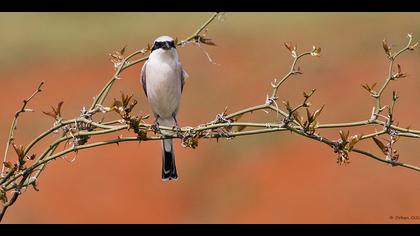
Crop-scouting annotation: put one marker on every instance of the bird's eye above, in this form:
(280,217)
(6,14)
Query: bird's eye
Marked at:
(156,45)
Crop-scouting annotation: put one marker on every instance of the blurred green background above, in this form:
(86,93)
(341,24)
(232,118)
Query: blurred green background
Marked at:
(271,178)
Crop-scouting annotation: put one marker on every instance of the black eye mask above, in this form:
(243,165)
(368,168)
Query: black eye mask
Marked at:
(164,45)
(172,44)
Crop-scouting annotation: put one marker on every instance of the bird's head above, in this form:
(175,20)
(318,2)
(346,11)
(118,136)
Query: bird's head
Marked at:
(163,43)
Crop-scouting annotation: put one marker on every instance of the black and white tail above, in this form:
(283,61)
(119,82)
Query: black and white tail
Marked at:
(168,161)
(168,157)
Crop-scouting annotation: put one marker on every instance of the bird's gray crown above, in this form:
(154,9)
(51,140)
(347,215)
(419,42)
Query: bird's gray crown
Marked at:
(164,42)
(164,38)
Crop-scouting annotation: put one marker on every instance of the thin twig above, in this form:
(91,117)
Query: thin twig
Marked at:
(14,123)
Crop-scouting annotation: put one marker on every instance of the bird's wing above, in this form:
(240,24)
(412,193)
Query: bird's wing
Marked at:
(143,77)
(184,76)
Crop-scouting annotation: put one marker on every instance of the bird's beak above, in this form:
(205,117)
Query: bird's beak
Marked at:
(166,46)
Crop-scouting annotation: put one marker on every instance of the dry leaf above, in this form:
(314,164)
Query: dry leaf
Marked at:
(56,112)
(344,136)
(316,51)
(207,41)
(287,105)
(240,128)
(386,47)
(317,112)
(380,145)
(8,164)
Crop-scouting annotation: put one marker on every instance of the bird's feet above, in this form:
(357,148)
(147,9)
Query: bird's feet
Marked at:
(177,129)
(155,127)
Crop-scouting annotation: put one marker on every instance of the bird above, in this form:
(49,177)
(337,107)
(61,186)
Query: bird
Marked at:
(163,79)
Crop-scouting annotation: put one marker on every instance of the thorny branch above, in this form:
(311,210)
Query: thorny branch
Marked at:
(19,175)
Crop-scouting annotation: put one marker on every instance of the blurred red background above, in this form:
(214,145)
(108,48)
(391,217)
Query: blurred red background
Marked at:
(270,178)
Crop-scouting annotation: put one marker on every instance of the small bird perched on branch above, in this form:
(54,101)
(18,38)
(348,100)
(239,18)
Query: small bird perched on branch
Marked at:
(163,80)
